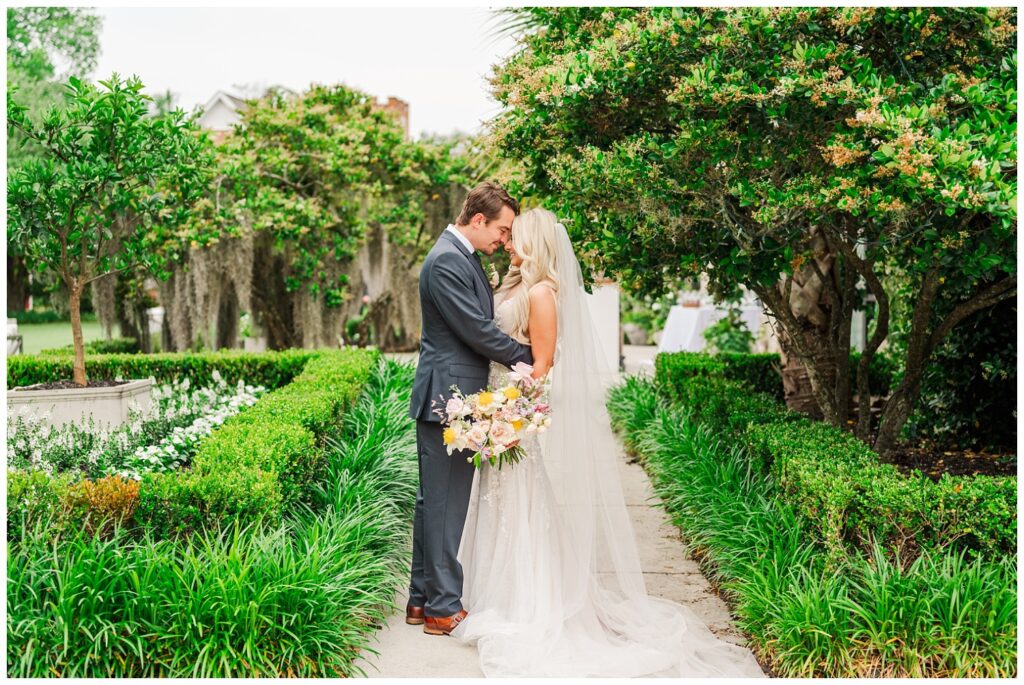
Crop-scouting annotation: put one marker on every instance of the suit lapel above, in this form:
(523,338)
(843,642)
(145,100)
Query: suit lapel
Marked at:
(477,267)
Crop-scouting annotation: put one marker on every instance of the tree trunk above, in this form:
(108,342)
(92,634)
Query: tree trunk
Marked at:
(796,383)
(17,284)
(805,305)
(922,343)
(144,340)
(271,302)
(897,411)
(75,302)
(227,321)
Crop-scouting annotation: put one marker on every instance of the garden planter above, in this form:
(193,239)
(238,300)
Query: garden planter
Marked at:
(107,405)
(636,333)
(255,344)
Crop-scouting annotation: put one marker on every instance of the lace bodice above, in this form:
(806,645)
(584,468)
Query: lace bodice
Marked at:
(503,314)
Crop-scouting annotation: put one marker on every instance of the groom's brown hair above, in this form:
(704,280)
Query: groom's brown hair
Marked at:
(487,198)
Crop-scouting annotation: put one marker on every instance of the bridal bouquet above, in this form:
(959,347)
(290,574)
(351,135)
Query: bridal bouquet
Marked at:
(493,421)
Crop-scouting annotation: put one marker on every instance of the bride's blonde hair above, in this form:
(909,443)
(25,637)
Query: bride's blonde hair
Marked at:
(533,237)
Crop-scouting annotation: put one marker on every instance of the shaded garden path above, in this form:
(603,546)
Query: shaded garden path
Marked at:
(405,651)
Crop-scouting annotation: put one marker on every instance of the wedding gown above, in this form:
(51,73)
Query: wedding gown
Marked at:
(543,603)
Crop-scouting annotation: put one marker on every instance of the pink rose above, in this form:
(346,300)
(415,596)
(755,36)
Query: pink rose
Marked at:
(455,407)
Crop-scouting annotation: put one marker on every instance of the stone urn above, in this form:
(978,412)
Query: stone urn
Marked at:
(107,402)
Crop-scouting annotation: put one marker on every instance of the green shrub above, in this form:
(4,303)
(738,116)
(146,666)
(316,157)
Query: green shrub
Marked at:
(35,316)
(32,496)
(759,371)
(762,372)
(969,389)
(835,480)
(272,450)
(269,369)
(114,346)
(807,613)
(298,597)
(257,465)
(729,334)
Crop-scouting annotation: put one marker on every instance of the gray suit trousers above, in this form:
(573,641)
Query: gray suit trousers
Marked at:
(441,505)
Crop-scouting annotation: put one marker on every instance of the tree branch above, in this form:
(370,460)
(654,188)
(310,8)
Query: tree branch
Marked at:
(987,297)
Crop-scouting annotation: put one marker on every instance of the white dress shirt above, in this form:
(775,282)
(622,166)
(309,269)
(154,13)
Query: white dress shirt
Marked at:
(462,239)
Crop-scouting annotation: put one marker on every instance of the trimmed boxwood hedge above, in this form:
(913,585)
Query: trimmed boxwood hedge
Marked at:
(113,346)
(269,369)
(260,462)
(256,465)
(838,482)
(762,372)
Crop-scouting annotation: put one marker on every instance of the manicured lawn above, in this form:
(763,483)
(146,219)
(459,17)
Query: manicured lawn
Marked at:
(43,336)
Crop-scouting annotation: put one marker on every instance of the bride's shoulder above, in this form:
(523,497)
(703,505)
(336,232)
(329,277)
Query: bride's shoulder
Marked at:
(543,289)
(543,295)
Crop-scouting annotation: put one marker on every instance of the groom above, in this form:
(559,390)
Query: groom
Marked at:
(458,342)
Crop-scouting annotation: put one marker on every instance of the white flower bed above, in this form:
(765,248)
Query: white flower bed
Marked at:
(162,439)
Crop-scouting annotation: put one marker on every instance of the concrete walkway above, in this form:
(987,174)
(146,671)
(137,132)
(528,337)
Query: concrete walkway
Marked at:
(405,651)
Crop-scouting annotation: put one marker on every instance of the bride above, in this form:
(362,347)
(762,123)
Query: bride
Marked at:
(553,583)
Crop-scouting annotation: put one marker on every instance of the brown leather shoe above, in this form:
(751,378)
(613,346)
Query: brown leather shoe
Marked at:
(443,625)
(413,615)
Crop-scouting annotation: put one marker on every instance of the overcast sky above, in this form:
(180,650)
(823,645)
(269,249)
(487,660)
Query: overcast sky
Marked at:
(437,60)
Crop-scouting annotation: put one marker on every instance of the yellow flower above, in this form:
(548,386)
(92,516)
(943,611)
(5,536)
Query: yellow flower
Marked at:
(485,399)
(512,393)
(517,424)
(449,436)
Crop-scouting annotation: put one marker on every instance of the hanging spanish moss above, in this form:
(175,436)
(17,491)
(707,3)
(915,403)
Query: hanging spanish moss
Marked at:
(210,289)
(205,294)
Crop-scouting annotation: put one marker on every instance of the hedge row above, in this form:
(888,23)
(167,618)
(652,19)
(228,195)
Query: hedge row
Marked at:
(269,369)
(36,317)
(113,346)
(261,461)
(763,372)
(257,464)
(838,482)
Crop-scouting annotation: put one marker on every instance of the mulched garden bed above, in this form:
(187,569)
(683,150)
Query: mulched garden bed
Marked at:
(934,461)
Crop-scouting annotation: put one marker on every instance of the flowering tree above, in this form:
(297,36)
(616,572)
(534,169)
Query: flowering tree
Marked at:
(108,192)
(310,178)
(315,170)
(828,145)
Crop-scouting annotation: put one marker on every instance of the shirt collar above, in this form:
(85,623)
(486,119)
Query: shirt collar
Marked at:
(462,239)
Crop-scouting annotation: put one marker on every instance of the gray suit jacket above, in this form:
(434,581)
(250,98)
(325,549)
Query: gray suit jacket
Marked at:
(459,338)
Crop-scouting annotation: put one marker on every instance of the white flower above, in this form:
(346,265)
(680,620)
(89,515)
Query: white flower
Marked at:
(477,435)
(501,433)
(456,407)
